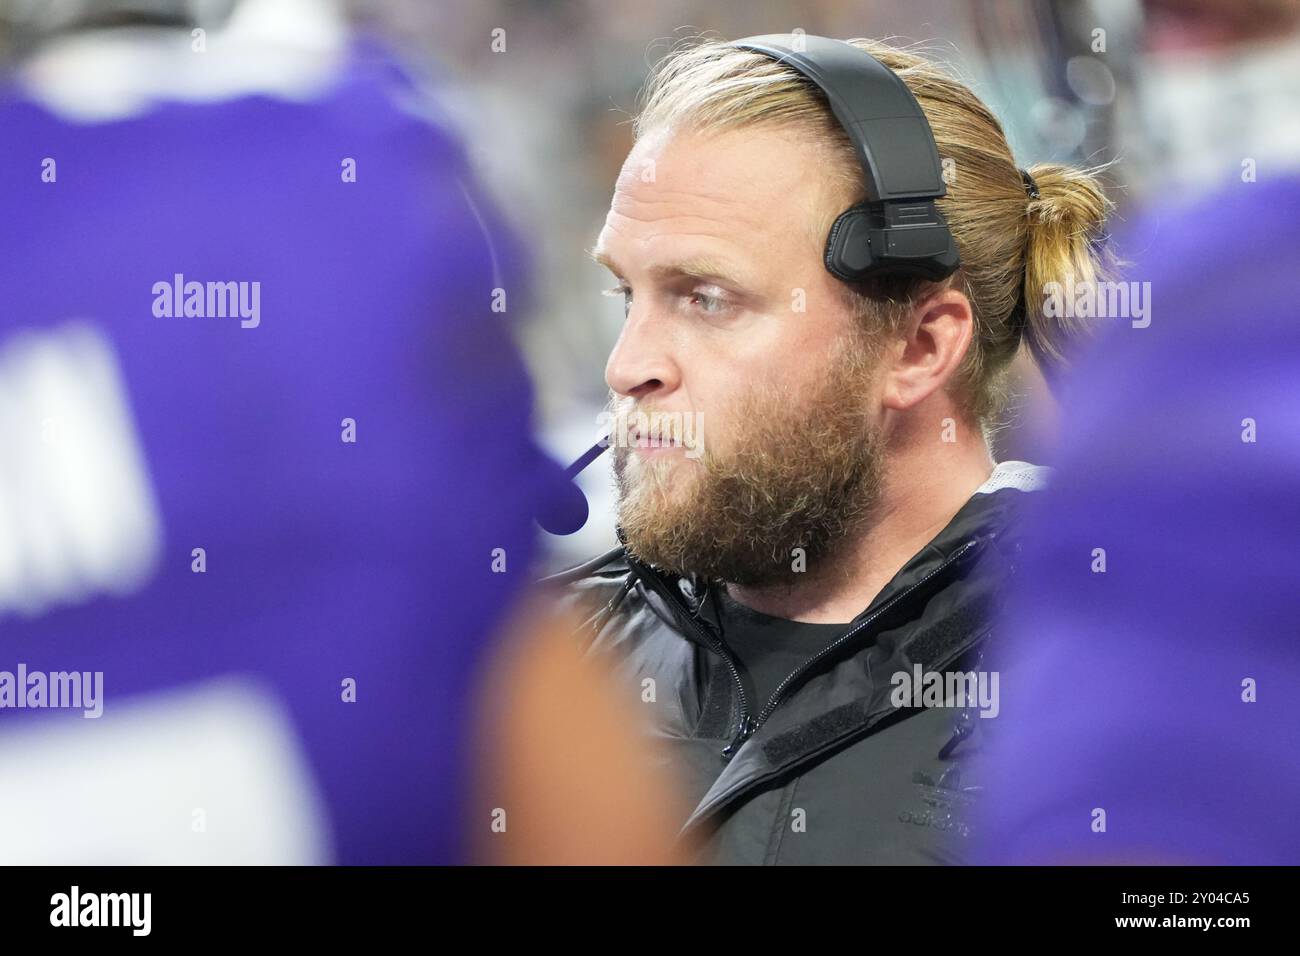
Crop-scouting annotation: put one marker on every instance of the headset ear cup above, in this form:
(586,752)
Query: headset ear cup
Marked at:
(848,247)
(949,261)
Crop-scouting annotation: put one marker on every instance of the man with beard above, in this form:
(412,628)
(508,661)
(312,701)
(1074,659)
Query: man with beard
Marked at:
(782,587)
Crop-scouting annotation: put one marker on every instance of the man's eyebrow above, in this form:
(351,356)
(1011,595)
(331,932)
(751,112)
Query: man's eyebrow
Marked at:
(601,258)
(695,267)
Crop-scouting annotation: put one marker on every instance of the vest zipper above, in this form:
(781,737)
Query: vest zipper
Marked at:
(847,636)
(749,724)
(746,727)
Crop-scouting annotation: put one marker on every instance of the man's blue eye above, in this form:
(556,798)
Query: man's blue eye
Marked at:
(708,303)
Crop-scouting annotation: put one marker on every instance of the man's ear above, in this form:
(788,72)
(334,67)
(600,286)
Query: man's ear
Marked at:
(934,341)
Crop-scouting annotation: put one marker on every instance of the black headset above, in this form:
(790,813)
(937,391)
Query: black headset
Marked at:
(897,231)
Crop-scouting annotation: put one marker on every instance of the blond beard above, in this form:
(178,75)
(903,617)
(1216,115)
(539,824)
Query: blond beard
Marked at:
(788,478)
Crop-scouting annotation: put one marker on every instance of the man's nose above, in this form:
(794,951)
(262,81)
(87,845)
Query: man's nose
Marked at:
(642,363)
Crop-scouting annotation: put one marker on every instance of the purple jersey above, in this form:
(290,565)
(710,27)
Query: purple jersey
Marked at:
(1150,711)
(263,424)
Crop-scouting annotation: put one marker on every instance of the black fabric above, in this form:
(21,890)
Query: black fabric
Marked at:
(837,772)
(768,648)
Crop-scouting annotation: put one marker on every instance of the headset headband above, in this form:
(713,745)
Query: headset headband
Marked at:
(897,230)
